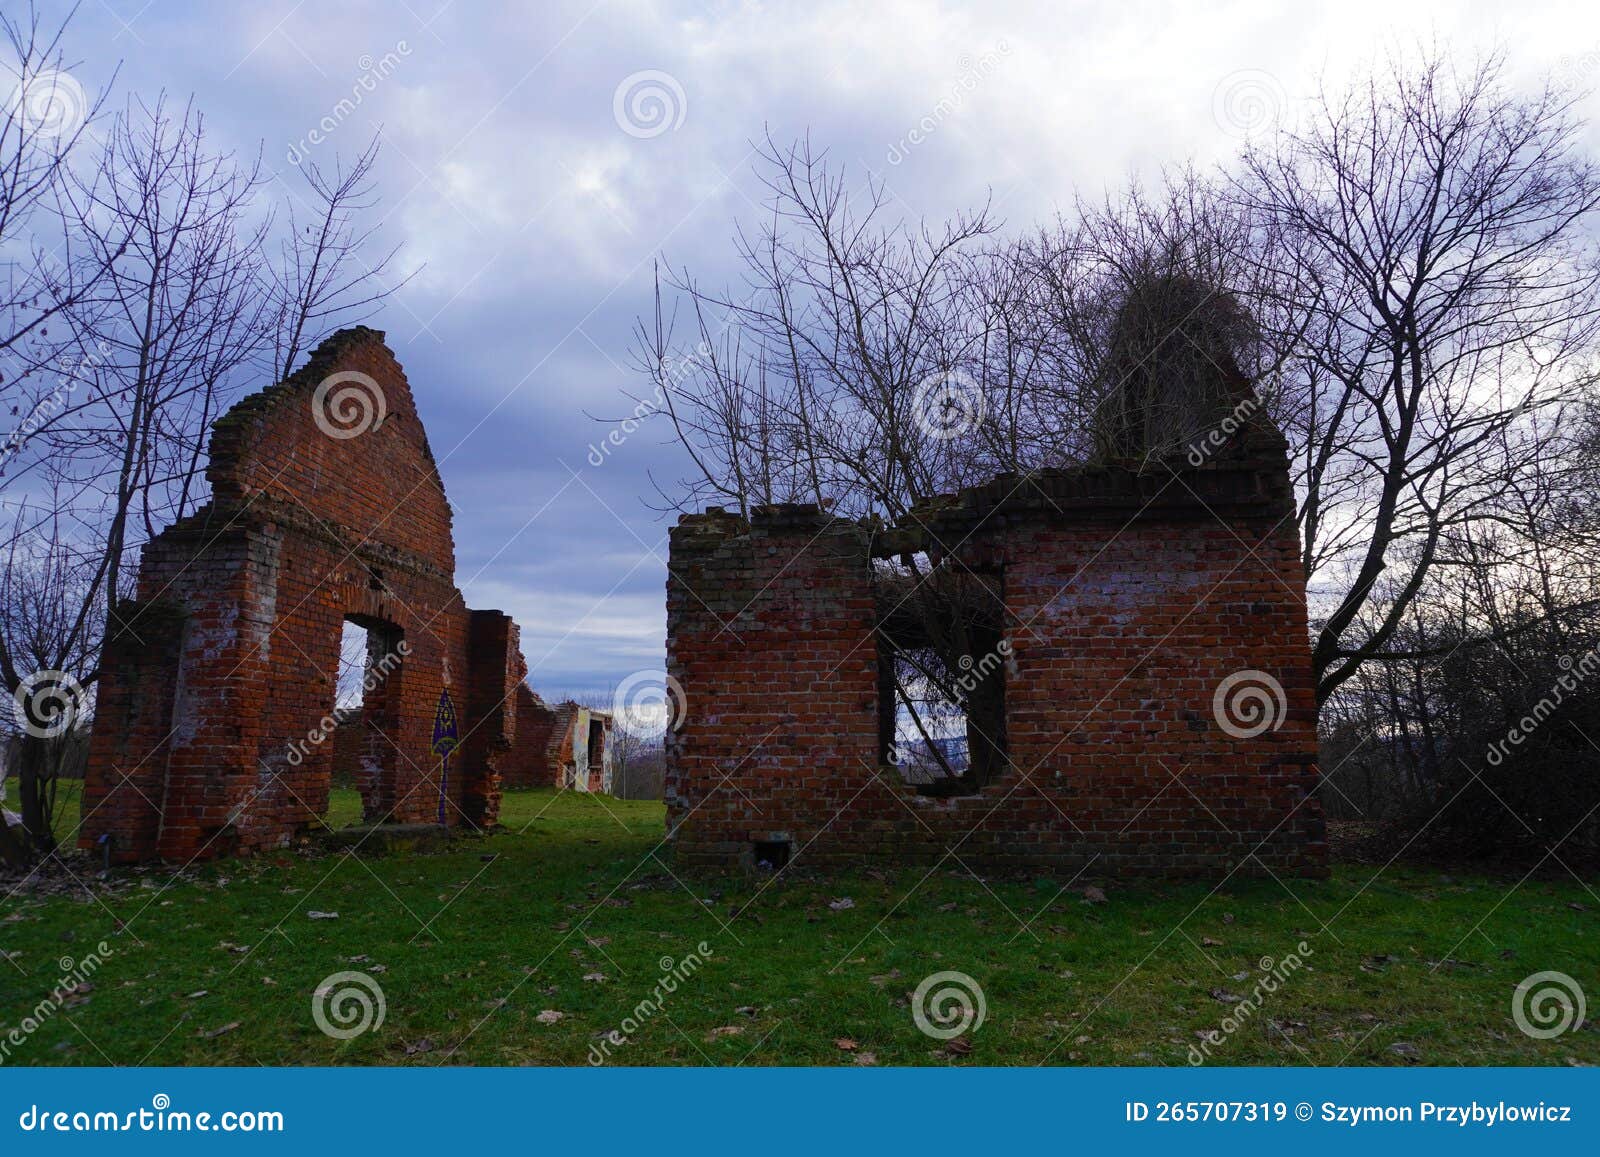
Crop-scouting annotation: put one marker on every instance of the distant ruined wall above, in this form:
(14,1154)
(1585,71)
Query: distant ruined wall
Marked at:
(1131,599)
(213,733)
(530,763)
(554,746)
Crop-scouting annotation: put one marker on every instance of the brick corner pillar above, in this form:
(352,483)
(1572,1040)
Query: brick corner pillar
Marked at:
(495,670)
(124,783)
(770,635)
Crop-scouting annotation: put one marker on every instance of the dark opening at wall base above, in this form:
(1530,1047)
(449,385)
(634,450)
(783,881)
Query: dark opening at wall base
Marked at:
(771,854)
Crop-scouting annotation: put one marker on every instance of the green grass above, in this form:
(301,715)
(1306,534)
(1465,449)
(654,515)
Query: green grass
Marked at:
(567,911)
(68,794)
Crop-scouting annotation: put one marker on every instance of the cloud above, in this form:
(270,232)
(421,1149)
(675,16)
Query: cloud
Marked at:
(536,217)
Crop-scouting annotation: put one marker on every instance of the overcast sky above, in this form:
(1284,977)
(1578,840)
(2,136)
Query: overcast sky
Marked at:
(534,188)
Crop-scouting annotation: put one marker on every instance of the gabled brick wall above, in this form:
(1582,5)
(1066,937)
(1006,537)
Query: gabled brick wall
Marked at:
(212,732)
(1129,599)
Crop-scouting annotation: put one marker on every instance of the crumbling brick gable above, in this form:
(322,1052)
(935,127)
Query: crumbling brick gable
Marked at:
(214,727)
(381,482)
(1129,598)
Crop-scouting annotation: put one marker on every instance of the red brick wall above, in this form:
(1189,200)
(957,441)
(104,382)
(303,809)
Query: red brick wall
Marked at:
(304,530)
(529,763)
(1129,599)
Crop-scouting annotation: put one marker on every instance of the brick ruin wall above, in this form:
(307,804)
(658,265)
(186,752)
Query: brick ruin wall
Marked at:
(528,763)
(547,752)
(210,735)
(1129,598)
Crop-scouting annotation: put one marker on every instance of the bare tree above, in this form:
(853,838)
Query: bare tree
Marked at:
(178,314)
(1435,231)
(182,308)
(322,278)
(1409,282)
(871,365)
(835,378)
(45,636)
(44,116)
(867,366)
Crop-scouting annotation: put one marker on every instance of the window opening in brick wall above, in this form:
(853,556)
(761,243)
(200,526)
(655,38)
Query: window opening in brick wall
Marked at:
(941,673)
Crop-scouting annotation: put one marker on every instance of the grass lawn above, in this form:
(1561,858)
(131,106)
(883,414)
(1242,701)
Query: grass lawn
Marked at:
(476,948)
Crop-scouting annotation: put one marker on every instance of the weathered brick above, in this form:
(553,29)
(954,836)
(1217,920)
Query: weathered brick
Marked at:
(1129,595)
(209,735)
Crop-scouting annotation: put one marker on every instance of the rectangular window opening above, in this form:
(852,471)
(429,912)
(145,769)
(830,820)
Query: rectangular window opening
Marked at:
(941,670)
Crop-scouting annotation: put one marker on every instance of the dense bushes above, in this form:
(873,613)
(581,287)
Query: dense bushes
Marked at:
(1483,749)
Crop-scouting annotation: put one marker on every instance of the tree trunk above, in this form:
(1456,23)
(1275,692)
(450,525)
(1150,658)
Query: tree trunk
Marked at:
(37,760)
